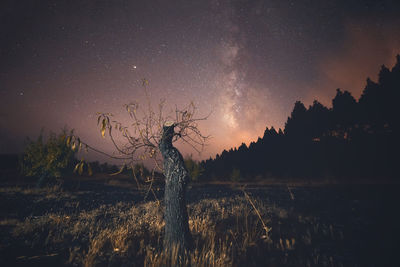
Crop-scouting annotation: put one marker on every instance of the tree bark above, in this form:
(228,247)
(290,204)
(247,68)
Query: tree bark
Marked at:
(176,233)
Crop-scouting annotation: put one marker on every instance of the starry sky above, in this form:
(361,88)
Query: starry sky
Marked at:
(246,62)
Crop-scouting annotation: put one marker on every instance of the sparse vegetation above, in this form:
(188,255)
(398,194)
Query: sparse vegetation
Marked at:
(46,159)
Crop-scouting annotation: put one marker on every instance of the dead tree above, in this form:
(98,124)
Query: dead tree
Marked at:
(176,178)
(150,136)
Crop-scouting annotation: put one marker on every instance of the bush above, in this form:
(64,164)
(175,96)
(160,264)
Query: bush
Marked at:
(47,159)
(194,168)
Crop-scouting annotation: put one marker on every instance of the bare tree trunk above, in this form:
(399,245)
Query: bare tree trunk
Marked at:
(177,231)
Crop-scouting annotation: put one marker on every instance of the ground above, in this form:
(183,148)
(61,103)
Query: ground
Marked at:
(106,224)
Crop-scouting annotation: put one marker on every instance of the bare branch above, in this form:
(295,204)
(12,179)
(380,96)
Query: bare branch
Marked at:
(140,140)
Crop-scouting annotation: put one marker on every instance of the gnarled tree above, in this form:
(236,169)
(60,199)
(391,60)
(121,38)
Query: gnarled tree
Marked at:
(151,135)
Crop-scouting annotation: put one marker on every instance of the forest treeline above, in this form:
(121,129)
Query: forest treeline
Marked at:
(352,139)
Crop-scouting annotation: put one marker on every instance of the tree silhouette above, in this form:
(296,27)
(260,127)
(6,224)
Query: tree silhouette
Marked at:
(352,139)
(344,117)
(317,120)
(372,106)
(296,123)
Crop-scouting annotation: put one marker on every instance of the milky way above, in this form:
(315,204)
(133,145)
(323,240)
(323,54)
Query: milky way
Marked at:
(246,62)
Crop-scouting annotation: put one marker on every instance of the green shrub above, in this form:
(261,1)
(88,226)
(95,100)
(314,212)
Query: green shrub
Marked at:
(47,159)
(194,168)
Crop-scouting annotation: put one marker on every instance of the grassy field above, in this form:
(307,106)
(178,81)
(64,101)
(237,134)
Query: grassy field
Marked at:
(98,224)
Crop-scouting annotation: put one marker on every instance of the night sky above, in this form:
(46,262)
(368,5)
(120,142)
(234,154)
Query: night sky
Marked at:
(247,62)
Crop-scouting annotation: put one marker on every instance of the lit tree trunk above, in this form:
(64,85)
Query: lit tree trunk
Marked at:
(177,231)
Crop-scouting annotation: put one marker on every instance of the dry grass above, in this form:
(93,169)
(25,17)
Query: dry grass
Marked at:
(237,231)
(121,234)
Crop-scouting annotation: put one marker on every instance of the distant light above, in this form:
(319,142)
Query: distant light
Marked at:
(134,66)
(22,93)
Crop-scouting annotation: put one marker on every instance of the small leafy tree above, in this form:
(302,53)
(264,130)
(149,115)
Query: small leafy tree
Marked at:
(46,159)
(194,168)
